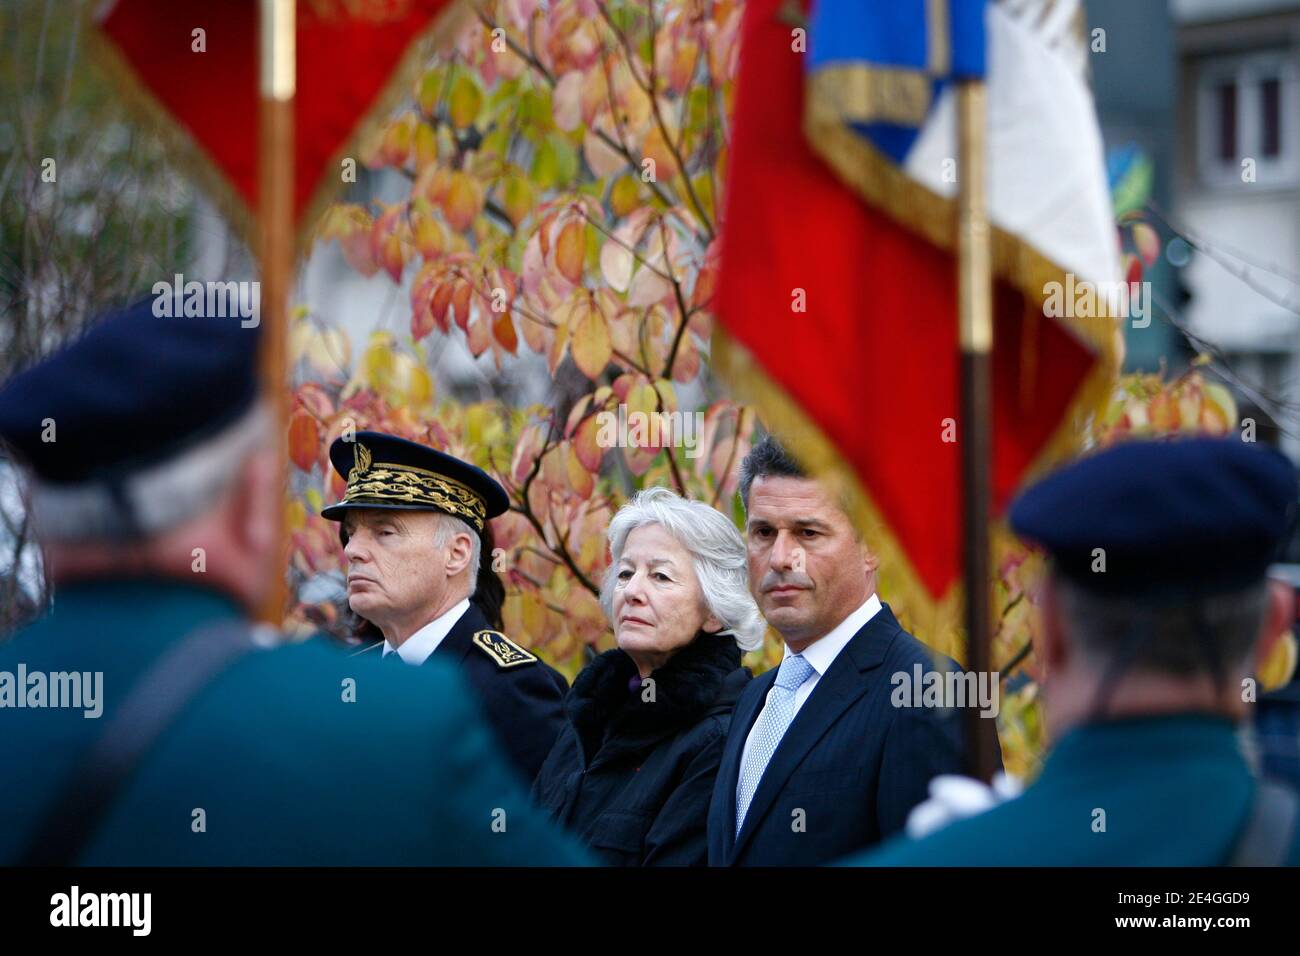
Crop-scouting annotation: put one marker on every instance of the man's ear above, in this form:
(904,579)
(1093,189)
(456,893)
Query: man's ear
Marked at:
(459,550)
(1278,617)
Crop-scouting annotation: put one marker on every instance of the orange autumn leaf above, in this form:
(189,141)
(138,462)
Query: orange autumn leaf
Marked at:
(304,440)
(440,302)
(387,241)
(571,250)
(503,330)
(590,343)
(463,201)
(430,235)
(478,337)
(426,146)
(460,303)
(586,444)
(656,148)
(580,479)
(399,136)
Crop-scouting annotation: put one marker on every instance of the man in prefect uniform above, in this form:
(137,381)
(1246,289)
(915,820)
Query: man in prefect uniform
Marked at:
(1155,611)
(414,526)
(143,720)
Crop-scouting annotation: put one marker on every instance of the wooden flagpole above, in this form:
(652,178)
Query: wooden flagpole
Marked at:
(277,70)
(975,306)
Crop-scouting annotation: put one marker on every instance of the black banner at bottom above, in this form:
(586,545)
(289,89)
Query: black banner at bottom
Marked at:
(334,905)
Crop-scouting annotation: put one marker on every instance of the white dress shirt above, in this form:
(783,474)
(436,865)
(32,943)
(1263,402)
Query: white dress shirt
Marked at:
(417,648)
(820,654)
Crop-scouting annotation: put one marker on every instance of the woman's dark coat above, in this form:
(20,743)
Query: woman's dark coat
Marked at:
(632,770)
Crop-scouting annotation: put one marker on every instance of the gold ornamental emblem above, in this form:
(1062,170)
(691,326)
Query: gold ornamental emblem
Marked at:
(360,462)
(502,650)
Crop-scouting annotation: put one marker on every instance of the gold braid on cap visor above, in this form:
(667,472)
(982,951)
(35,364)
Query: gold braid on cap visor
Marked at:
(384,483)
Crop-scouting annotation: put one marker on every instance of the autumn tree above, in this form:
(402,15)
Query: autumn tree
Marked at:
(563,179)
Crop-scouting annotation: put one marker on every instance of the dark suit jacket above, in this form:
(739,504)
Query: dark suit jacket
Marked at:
(850,761)
(524,703)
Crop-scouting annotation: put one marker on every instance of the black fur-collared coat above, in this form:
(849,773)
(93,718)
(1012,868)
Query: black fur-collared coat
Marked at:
(632,770)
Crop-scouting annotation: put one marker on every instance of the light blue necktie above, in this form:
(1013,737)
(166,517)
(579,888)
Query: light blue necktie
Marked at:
(769,729)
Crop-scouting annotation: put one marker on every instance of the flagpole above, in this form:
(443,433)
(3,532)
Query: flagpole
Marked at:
(277,71)
(975,308)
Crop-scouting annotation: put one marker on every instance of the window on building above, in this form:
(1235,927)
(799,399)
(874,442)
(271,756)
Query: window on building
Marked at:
(1248,119)
(1270,118)
(1227,122)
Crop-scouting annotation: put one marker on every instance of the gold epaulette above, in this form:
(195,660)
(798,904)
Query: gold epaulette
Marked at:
(501,649)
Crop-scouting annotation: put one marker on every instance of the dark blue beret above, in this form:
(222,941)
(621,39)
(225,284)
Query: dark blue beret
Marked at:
(387,472)
(135,390)
(1172,517)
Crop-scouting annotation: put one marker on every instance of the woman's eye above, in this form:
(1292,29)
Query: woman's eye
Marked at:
(624,575)
(660,576)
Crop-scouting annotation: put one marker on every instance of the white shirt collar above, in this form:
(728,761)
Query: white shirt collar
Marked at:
(417,648)
(822,653)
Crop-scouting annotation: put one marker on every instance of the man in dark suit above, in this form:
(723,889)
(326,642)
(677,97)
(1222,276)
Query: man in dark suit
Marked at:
(414,525)
(819,760)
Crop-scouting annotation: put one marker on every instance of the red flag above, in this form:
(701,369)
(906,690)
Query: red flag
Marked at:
(352,59)
(864,384)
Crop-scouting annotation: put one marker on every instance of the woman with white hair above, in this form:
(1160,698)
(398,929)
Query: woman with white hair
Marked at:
(632,771)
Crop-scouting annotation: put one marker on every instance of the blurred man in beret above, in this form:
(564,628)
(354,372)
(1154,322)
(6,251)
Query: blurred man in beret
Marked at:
(144,720)
(415,529)
(1155,612)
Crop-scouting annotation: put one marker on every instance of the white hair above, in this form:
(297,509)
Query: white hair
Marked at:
(449,525)
(717,553)
(154,499)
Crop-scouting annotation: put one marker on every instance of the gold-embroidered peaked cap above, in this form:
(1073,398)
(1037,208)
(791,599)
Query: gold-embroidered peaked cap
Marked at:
(387,472)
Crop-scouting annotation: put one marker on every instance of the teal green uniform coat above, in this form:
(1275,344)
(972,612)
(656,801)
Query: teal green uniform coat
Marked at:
(1175,791)
(284,769)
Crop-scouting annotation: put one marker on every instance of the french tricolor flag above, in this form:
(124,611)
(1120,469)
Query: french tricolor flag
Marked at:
(837,300)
